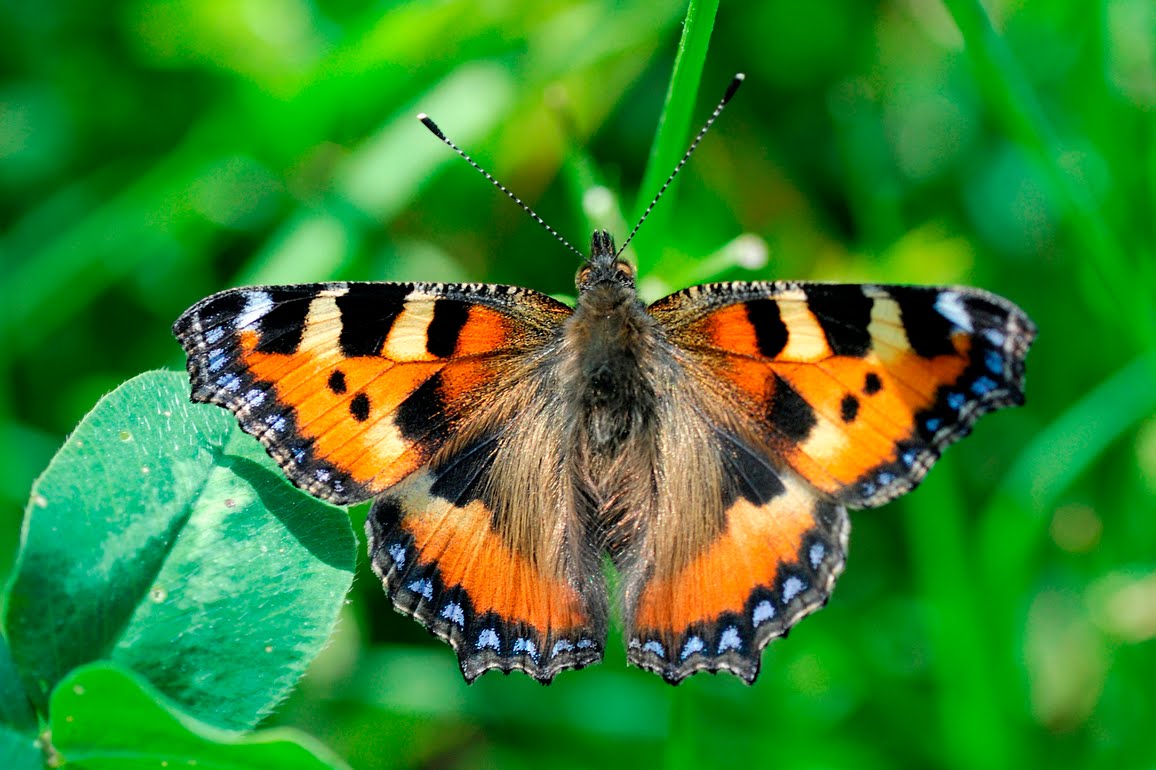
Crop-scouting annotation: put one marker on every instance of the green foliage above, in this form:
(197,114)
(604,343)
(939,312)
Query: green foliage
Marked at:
(104,718)
(18,747)
(153,152)
(163,538)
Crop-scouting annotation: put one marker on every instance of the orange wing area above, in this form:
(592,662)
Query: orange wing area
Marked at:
(859,388)
(395,391)
(352,387)
(774,563)
(434,545)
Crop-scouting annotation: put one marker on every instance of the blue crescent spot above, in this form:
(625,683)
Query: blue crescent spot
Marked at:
(730,640)
(655,647)
(217,360)
(816,554)
(585,644)
(763,612)
(230,382)
(214,335)
(956,400)
(453,612)
(489,638)
(693,645)
(983,385)
(423,587)
(526,647)
(993,360)
(397,553)
(562,645)
(792,588)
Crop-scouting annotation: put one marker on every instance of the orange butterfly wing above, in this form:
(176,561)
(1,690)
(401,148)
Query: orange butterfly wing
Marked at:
(407,393)
(858,388)
(818,397)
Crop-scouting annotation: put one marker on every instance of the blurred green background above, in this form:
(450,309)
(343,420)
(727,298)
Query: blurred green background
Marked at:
(153,151)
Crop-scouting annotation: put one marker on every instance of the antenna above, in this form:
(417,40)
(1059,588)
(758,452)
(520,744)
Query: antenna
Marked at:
(433,127)
(734,86)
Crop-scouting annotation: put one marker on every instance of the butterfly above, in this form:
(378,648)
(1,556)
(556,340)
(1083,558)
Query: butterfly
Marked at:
(708,445)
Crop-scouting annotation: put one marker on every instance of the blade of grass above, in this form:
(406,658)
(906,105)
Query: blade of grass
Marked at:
(674,124)
(1016,105)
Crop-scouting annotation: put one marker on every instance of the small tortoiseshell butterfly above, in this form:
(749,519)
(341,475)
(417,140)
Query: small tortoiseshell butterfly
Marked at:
(709,444)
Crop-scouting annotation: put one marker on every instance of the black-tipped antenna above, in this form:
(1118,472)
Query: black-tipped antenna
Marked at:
(433,127)
(734,86)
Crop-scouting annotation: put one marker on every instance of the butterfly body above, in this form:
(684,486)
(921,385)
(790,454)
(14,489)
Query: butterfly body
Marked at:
(708,444)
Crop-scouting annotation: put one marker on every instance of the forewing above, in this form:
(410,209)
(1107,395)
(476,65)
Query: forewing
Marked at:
(858,389)
(353,386)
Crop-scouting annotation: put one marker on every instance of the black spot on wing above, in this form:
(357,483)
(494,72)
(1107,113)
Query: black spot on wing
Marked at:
(386,514)
(367,314)
(849,408)
(843,313)
(337,382)
(789,413)
(282,327)
(770,331)
(449,316)
(422,414)
(928,331)
(359,407)
(872,384)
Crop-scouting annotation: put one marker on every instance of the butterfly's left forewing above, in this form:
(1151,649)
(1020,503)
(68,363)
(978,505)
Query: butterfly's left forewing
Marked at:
(858,388)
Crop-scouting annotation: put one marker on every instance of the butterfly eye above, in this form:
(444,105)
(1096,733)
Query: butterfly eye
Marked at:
(583,275)
(626,270)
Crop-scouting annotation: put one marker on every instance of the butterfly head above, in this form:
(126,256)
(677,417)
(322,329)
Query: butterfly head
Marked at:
(604,267)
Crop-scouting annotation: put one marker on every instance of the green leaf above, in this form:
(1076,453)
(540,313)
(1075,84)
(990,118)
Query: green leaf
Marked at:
(18,747)
(104,717)
(164,538)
